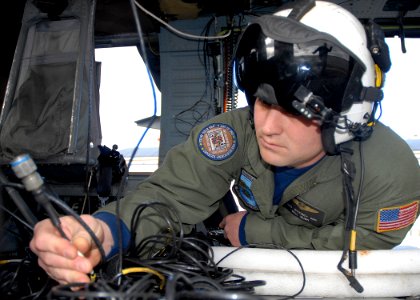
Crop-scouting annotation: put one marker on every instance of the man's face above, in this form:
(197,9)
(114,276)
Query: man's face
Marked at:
(285,139)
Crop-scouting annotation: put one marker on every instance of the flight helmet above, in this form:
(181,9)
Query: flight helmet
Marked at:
(315,60)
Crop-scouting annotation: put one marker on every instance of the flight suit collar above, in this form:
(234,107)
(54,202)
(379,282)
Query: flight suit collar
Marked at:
(327,169)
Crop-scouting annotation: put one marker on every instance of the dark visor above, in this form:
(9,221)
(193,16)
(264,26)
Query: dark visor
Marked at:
(276,56)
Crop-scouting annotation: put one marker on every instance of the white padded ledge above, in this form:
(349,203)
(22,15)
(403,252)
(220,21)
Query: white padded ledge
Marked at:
(382,273)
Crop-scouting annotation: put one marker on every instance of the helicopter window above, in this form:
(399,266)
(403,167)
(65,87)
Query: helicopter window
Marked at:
(126,96)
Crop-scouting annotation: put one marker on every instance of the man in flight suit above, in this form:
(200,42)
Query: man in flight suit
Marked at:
(306,156)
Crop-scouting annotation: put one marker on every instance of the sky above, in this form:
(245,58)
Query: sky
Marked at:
(401,104)
(126,95)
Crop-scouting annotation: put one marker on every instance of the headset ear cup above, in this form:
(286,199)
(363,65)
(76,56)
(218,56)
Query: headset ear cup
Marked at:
(379,77)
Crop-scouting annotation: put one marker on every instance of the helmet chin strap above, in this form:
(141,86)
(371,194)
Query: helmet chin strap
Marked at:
(328,128)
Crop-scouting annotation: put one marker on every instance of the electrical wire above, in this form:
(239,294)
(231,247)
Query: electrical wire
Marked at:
(72,213)
(203,54)
(10,187)
(87,191)
(91,87)
(259,245)
(23,279)
(162,279)
(178,32)
(124,179)
(183,267)
(165,214)
(196,253)
(13,185)
(200,110)
(361,180)
(196,114)
(29,226)
(351,205)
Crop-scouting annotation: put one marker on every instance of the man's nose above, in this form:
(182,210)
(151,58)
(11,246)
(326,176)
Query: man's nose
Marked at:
(274,121)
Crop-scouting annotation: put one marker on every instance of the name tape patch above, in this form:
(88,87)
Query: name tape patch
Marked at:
(305,212)
(217,141)
(398,217)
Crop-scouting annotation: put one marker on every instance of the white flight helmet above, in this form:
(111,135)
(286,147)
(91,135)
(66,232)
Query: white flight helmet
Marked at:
(312,60)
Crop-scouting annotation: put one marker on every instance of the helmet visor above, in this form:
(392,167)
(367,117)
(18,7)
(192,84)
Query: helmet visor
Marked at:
(289,56)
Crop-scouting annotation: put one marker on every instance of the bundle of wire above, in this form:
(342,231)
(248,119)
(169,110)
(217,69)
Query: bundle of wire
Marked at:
(164,266)
(23,279)
(168,265)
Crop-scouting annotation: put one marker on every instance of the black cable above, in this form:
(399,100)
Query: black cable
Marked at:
(200,110)
(72,213)
(13,185)
(196,115)
(29,226)
(186,264)
(125,176)
(15,275)
(20,203)
(276,247)
(23,279)
(118,219)
(179,285)
(165,214)
(40,293)
(204,59)
(200,294)
(361,180)
(351,206)
(91,87)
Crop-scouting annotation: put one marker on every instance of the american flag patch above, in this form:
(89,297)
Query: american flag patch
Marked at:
(394,218)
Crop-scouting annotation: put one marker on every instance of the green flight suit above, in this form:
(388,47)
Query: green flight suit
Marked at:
(194,176)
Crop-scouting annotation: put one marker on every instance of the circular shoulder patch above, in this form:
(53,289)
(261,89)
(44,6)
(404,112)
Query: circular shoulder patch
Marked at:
(217,141)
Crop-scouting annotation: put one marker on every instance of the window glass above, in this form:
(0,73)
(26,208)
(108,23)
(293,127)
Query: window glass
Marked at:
(126,96)
(401,105)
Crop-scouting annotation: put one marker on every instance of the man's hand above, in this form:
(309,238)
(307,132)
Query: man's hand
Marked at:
(230,224)
(60,258)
